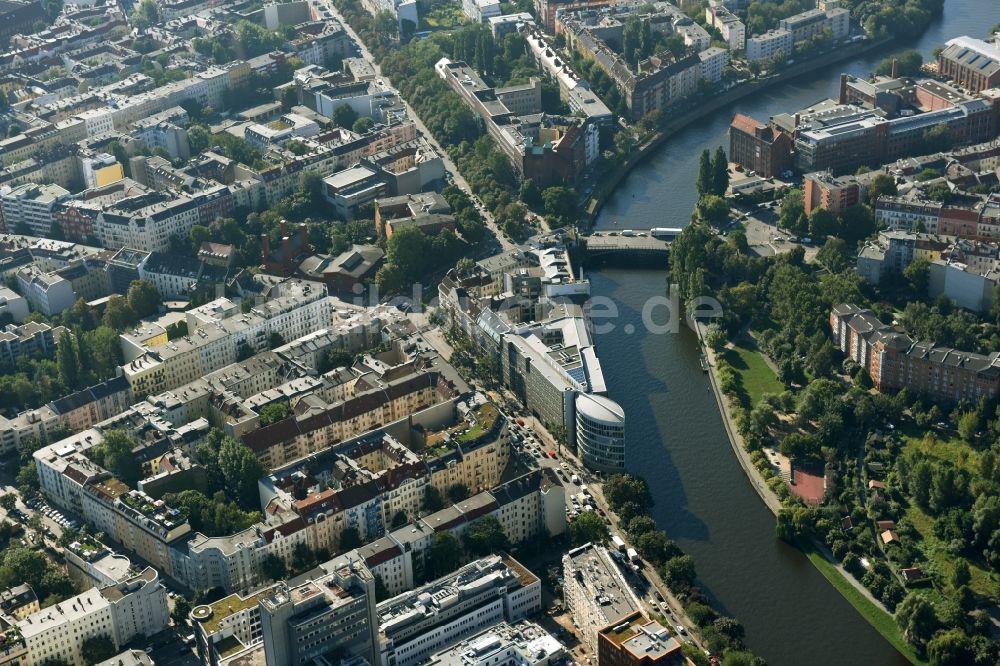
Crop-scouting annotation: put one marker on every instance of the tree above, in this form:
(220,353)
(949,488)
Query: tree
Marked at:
(705,183)
(182,608)
(881,185)
(274,412)
(350,538)
(69,363)
(712,209)
(303,557)
(8,501)
(345,116)
(823,223)
(143,298)
(457,493)
(916,618)
(937,139)
(917,273)
(362,125)
(97,649)
(588,527)
(115,452)
(146,15)
(274,567)
(833,254)
(908,63)
(431,501)
(679,570)
(561,203)
(485,536)
(241,469)
(52,8)
(715,337)
(950,648)
(720,172)
(118,314)
(198,138)
(389,278)
(960,575)
(656,547)
(639,526)
(409,250)
(621,488)
(22,565)
(399,519)
(792,211)
(445,554)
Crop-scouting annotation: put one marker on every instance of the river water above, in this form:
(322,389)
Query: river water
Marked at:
(676,438)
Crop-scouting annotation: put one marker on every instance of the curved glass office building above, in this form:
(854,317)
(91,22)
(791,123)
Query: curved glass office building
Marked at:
(600,432)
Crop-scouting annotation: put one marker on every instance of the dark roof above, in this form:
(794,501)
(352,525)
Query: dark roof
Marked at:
(173,264)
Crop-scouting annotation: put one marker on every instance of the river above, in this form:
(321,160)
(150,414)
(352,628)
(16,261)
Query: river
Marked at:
(676,439)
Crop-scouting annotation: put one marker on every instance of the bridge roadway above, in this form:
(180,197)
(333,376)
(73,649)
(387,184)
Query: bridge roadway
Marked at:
(601,243)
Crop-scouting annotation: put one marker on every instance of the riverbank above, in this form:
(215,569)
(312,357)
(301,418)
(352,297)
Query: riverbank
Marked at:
(768,496)
(870,608)
(611,181)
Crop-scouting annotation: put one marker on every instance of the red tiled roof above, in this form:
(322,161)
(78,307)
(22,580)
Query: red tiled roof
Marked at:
(746,123)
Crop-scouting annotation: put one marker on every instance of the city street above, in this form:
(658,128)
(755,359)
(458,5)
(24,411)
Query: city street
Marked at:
(459,181)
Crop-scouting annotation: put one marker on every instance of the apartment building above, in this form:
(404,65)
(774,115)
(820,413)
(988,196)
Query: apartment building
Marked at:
(217,331)
(769,45)
(895,361)
(47,292)
(815,21)
(91,563)
(13,304)
(18,601)
(30,339)
(295,437)
(415,624)
(639,642)
(726,22)
(230,627)
(595,592)
(835,193)
(30,208)
(136,607)
(547,149)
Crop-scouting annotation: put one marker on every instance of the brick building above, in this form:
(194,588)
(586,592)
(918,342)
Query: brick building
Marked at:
(971,63)
(759,147)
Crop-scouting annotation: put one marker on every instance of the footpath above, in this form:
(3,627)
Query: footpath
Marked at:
(768,496)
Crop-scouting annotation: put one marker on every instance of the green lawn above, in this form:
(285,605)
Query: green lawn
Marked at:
(937,552)
(757,377)
(884,623)
(944,444)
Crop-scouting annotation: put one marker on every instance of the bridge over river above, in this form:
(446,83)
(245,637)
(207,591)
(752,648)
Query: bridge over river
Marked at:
(637,243)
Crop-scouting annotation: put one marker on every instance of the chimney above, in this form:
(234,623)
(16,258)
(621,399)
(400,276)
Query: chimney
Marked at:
(843,88)
(284,227)
(265,247)
(895,68)
(286,249)
(796,120)
(304,239)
